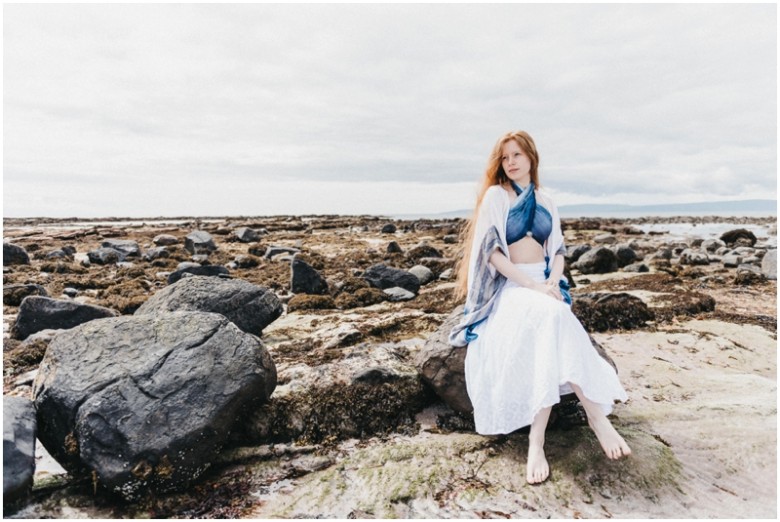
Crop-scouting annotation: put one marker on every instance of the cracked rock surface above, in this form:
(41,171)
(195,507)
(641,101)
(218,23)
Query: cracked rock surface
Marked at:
(141,402)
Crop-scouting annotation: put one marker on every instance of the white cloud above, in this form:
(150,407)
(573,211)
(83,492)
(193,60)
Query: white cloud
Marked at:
(645,101)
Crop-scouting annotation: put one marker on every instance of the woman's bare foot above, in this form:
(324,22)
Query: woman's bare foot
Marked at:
(537,469)
(611,441)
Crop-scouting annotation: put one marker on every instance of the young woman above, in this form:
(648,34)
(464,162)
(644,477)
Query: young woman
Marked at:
(525,347)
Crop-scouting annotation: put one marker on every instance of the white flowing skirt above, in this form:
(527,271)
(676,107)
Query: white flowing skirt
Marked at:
(527,352)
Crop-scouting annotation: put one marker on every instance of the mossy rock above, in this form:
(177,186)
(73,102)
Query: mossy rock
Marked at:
(359,298)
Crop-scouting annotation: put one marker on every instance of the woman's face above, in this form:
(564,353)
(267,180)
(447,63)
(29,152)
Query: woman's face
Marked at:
(515,162)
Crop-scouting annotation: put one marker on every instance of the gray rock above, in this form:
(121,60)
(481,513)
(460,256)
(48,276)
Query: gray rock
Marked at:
(199,242)
(600,260)
(732,261)
(398,294)
(58,254)
(694,257)
(14,294)
(165,240)
(147,402)
(156,253)
(70,292)
(38,313)
(187,264)
(14,255)
(105,256)
(712,245)
(769,264)
(447,274)
(722,251)
(574,254)
(198,270)
(249,306)
(382,277)
(306,280)
(663,253)
(389,228)
(246,235)
(201,259)
(394,248)
(19,432)
(605,239)
(272,251)
(127,247)
(246,261)
(636,267)
(423,273)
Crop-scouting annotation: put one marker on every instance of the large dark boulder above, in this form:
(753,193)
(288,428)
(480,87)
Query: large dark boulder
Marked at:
(306,280)
(249,306)
(38,313)
(198,270)
(601,312)
(573,254)
(146,402)
(127,247)
(14,255)
(382,277)
(442,368)
(19,432)
(599,260)
(732,236)
(625,255)
(14,294)
(199,242)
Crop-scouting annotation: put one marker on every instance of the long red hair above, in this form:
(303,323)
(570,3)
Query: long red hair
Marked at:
(494,175)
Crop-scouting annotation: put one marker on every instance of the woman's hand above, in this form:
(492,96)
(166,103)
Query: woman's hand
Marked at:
(550,288)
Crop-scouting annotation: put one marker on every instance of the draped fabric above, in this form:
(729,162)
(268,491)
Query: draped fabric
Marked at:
(490,233)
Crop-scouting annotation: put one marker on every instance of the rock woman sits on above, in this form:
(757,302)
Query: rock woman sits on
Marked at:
(525,347)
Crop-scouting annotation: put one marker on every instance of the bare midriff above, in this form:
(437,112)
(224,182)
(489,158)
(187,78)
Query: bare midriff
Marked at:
(526,250)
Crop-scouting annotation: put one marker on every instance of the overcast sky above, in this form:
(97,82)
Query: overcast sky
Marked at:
(167,110)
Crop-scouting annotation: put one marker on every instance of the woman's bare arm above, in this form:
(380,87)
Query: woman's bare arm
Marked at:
(511,272)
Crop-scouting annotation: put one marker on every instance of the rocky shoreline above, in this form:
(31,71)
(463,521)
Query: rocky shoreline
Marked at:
(352,426)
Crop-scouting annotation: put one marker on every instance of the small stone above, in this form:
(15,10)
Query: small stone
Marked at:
(423,273)
(394,248)
(397,293)
(389,229)
(165,240)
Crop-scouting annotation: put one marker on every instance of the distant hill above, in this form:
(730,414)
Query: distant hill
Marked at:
(748,207)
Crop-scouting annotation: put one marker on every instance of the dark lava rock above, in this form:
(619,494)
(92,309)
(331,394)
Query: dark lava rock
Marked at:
(70,292)
(256,250)
(199,242)
(147,402)
(127,247)
(636,267)
(249,306)
(19,432)
(14,294)
(389,229)
(441,367)
(310,302)
(732,236)
(394,248)
(601,312)
(625,255)
(599,260)
(58,254)
(381,276)
(156,253)
(306,280)
(38,313)
(420,251)
(574,254)
(450,239)
(246,235)
(165,240)
(105,256)
(198,270)
(14,255)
